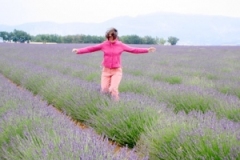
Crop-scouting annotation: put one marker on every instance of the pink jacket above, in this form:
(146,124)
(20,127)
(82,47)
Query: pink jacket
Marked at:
(112,52)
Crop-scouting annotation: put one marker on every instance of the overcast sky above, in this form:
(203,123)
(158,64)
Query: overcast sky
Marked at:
(15,12)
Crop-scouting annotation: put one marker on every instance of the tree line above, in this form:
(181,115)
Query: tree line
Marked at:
(22,37)
(16,36)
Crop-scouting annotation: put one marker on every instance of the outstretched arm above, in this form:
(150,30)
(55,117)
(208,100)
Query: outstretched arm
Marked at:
(137,50)
(87,49)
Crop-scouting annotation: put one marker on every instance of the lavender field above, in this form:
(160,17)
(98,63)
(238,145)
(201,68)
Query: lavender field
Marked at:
(180,102)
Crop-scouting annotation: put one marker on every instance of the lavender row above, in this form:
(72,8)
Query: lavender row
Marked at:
(30,129)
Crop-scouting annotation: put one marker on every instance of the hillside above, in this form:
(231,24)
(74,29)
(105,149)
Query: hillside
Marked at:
(190,29)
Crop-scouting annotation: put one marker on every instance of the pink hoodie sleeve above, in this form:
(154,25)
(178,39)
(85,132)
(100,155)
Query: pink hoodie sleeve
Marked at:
(89,49)
(133,49)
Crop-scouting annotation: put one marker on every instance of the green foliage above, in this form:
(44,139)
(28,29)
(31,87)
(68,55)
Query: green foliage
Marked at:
(34,82)
(132,39)
(212,77)
(78,74)
(81,103)
(16,75)
(162,41)
(7,105)
(173,80)
(91,76)
(21,36)
(149,40)
(189,102)
(11,130)
(175,139)
(5,36)
(135,39)
(129,39)
(47,38)
(232,114)
(173,40)
(169,79)
(123,122)
(135,72)
(234,90)
(16,36)
(132,86)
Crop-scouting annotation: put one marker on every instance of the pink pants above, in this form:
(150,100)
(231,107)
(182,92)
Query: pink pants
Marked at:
(110,80)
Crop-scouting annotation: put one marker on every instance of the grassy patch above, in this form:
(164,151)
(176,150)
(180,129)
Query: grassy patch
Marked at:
(34,83)
(91,77)
(123,123)
(157,77)
(6,106)
(212,77)
(188,138)
(16,75)
(133,86)
(173,80)
(135,72)
(230,90)
(163,134)
(11,131)
(168,79)
(189,102)
(78,74)
(78,102)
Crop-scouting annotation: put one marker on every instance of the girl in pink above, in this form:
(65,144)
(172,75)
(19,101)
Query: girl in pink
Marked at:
(112,69)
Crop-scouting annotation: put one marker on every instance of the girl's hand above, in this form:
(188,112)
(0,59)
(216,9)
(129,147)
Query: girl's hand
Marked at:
(151,49)
(74,50)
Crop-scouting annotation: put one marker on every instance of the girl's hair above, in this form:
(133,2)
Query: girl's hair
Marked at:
(112,32)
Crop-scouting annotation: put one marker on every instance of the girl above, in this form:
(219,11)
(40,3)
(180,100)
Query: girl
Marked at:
(112,69)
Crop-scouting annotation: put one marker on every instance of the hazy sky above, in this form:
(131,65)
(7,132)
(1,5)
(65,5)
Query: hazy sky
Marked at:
(22,11)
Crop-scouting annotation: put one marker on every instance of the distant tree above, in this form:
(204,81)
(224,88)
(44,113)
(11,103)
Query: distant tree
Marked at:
(55,38)
(97,39)
(47,38)
(173,40)
(67,39)
(149,40)
(131,39)
(87,39)
(135,39)
(162,41)
(20,36)
(5,36)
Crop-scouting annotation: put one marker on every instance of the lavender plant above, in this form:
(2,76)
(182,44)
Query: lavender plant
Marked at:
(170,79)
(74,97)
(193,136)
(125,121)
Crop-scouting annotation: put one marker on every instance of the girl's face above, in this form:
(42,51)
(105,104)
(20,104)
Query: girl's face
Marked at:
(110,37)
